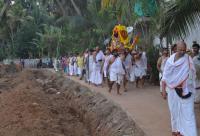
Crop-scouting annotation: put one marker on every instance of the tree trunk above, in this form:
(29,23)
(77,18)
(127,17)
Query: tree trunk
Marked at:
(61,7)
(5,7)
(78,11)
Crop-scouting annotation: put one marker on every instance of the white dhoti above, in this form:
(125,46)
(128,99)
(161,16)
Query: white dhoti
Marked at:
(79,70)
(55,65)
(105,73)
(89,75)
(114,77)
(187,120)
(182,114)
(116,72)
(140,72)
(128,65)
(105,66)
(128,74)
(173,108)
(96,76)
(71,70)
(90,68)
(75,69)
(132,74)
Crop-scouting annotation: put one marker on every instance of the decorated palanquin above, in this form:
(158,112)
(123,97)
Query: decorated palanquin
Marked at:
(121,39)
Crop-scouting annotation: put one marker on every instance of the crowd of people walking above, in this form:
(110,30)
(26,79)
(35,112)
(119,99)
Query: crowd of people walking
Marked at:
(178,68)
(96,67)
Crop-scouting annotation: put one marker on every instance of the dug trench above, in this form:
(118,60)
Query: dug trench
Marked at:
(42,103)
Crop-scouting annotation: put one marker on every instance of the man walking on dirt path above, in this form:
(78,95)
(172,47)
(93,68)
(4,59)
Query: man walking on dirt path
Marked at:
(179,82)
(99,62)
(116,71)
(140,68)
(127,63)
(105,65)
(161,64)
(196,60)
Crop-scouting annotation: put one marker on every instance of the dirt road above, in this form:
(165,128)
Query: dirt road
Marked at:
(145,106)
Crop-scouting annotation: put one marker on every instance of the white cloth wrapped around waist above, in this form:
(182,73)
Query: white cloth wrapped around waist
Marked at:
(182,114)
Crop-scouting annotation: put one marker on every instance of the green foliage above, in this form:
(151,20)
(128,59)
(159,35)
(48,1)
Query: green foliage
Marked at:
(152,56)
(179,17)
(57,27)
(2,52)
(24,47)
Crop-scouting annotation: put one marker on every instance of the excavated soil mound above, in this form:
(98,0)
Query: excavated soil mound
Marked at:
(40,103)
(27,109)
(6,70)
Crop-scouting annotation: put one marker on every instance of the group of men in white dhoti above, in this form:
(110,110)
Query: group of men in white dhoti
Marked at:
(119,66)
(178,78)
(123,68)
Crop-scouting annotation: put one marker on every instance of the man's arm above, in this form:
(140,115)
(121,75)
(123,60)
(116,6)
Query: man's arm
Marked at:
(159,64)
(197,88)
(164,93)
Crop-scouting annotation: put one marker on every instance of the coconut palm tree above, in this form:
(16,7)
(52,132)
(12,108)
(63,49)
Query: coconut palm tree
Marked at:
(6,6)
(121,8)
(13,17)
(179,18)
(71,7)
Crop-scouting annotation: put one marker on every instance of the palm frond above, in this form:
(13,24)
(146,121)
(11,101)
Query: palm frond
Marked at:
(104,3)
(179,18)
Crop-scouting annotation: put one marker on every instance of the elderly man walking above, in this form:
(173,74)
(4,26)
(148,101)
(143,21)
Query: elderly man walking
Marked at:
(179,82)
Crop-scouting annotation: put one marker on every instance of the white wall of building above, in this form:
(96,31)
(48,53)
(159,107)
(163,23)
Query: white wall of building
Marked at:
(193,36)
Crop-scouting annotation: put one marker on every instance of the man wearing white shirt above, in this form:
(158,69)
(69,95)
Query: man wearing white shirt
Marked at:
(179,82)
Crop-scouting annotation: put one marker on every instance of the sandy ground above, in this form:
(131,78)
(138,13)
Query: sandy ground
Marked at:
(145,106)
(27,109)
